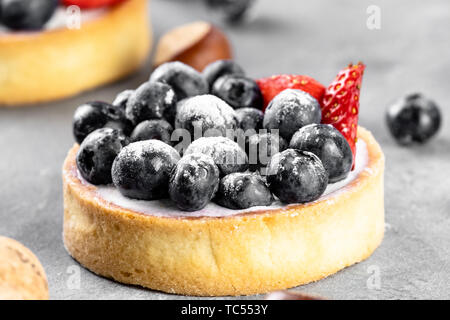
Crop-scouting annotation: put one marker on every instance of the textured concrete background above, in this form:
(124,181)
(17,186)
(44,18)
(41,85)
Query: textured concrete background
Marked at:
(410,53)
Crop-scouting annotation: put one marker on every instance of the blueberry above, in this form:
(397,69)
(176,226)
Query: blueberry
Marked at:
(216,69)
(250,118)
(261,147)
(150,101)
(227,154)
(122,99)
(87,118)
(329,145)
(95,115)
(296,176)
(242,190)
(97,153)
(233,10)
(206,115)
(185,80)
(193,182)
(142,169)
(152,129)
(238,91)
(116,119)
(290,110)
(26,14)
(413,119)
(171,112)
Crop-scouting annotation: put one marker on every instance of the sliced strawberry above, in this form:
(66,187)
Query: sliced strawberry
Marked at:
(273,85)
(340,103)
(90,4)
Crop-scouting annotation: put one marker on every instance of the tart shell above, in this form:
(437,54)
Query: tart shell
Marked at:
(58,63)
(248,253)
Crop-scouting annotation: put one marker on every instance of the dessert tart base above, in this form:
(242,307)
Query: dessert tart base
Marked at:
(248,253)
(58,63)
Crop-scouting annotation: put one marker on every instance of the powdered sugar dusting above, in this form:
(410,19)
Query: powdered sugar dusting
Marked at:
(227,154)
(170,96)
(166,208)
(210,111)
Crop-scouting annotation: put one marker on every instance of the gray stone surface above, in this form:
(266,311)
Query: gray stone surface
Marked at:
(410,52)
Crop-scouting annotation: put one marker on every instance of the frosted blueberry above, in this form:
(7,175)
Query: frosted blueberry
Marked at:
(250,118)
(185,80)
(242,190)
(142,169)
(296,176)
(193,182)
(218,68)
(97,153)
(329,145)
(290,110)
(227,154)
(205,115)
(150,101)
(152,129)
(238,91)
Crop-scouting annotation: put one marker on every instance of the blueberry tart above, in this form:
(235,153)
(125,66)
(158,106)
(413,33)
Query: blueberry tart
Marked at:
(200,222)
(54,49)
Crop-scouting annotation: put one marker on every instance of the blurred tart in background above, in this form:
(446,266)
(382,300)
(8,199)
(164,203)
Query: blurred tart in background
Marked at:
(64,48)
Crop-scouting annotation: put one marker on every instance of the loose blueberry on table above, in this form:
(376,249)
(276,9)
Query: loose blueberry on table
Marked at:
(413,119)
(216,166)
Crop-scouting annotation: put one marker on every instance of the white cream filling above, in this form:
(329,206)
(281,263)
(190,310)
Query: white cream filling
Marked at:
(63,18)
(167,208)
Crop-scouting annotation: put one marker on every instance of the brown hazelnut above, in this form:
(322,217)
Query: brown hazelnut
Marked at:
(196,44)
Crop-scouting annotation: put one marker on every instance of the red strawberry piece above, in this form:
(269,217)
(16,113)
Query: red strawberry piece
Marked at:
(340,103)
(90,4)
(273,85)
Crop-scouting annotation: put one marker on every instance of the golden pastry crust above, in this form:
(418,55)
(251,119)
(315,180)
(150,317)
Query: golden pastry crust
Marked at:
(249,253)
(21,274)
(54,64)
